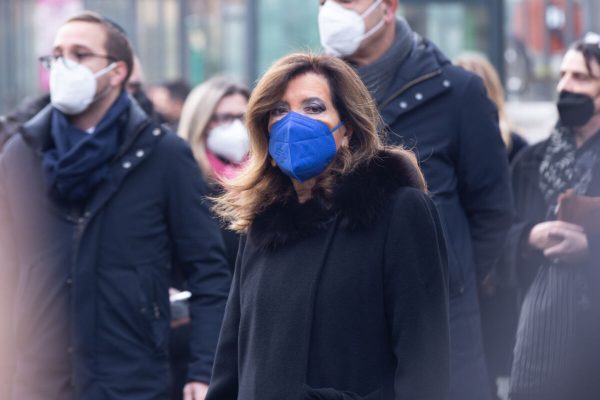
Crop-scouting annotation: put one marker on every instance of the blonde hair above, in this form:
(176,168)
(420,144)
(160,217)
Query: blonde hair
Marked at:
(480,66)
(261,184)
(198,111)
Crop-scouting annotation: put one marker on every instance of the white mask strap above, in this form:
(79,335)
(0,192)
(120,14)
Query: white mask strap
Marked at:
(371,8)
(105,70)
(374,29)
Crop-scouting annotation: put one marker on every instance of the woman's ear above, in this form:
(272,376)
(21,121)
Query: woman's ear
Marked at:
(345,142)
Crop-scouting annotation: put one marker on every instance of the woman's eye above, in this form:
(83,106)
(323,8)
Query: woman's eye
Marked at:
(314,108)
(280,110)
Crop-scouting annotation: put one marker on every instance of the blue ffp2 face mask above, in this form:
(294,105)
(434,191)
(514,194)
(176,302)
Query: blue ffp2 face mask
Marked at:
(302,146)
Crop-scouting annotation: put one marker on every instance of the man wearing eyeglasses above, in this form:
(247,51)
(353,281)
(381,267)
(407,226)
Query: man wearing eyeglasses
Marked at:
(97,204)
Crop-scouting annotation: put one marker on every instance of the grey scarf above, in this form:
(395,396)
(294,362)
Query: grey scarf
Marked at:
(378,76)
(564,166)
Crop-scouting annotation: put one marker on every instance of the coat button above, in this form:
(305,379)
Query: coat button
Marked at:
(156,131)
(139,153)
(446,83)
(69,281)
(70,350)
(127,165)
(403,104)
(419,96)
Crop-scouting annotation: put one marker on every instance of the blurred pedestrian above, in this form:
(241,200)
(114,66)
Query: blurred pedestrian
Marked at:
(555,242)
(168,99)
(498,296)
(441,112)
(212,121)
(136,87)
(340,284)
(97,203)
(12,122)
(483,68)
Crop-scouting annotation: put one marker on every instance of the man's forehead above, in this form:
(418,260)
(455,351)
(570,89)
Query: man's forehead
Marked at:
(80,34)
(574,61)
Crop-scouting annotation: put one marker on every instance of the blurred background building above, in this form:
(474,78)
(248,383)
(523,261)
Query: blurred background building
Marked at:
(195,39)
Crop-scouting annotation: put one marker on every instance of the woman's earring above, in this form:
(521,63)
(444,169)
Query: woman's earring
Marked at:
(273,163)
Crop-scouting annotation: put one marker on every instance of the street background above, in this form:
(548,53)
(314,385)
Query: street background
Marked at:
(196,39)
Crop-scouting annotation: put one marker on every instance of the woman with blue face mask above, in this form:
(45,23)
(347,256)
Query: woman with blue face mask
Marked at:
(340,287)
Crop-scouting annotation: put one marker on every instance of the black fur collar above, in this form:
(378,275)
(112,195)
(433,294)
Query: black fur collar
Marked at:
(357,199)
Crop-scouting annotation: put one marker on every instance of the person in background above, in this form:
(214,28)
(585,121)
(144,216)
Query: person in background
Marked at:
(340,287)
(212,121)
(136,89)
(168,99)
(97,204)
(498,296)
(12,122)
(554,243)
(443,114)
(482,67)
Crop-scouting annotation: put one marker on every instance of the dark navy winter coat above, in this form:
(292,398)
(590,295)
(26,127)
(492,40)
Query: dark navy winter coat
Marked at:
(92,307)
(443,114)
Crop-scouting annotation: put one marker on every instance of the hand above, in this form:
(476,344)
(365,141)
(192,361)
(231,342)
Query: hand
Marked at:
(195,391)
(560,240)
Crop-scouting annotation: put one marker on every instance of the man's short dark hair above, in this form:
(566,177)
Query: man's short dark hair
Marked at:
(178,89)
(117,44)
(589,46)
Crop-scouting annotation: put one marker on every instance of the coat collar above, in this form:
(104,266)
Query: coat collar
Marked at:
(357,200)
(420,78)
(36,131)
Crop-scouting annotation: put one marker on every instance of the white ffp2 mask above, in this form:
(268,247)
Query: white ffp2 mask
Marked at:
(73,86)
(342,30)
(229,141)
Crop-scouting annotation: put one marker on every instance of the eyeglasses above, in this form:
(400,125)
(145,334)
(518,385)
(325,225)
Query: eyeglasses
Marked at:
(226,118)
(49,61)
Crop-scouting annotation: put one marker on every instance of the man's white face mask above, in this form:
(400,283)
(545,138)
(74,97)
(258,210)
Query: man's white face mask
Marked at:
(343,30)
(73,86)
(229,141)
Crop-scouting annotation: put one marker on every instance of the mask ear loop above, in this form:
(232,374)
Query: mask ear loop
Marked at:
(100,73)
(378,26)
(338,126)
(371,8)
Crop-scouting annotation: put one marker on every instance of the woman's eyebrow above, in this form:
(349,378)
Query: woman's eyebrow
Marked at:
(313,99)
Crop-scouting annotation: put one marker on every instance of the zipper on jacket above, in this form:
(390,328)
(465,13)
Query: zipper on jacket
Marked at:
(410,84)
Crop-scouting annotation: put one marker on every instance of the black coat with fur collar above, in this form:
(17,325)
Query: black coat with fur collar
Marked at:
(345,301)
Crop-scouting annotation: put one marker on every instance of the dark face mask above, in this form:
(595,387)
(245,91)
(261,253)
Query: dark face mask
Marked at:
(575,109)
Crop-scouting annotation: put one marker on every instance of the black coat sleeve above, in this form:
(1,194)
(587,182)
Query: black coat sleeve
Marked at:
(483,176)
(520,261)
(224,383)
(416,298)
(199,251)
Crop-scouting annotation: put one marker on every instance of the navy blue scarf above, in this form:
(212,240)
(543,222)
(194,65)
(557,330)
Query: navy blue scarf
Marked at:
(79,161)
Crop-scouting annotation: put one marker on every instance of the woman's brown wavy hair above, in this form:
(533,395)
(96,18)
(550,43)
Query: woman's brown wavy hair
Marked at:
(261,184)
